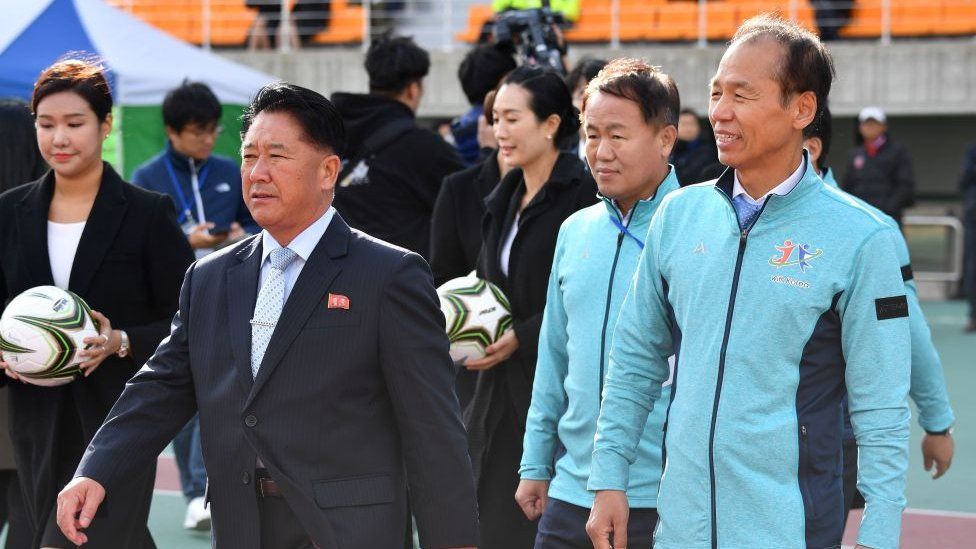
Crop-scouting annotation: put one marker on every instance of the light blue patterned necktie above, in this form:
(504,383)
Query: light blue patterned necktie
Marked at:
(745,210)
(268,307)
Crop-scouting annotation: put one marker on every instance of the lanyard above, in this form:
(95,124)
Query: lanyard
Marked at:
(623,229)
(186,210)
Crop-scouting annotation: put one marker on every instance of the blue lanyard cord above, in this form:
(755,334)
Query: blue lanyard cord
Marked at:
(185,205)
(623,229)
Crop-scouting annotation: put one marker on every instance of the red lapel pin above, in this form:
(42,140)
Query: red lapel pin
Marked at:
(338,301)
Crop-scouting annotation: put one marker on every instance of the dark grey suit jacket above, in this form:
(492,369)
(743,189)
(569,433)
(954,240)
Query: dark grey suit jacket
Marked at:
(349,407)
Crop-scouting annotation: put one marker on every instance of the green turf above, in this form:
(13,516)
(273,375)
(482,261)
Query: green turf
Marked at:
(954,491)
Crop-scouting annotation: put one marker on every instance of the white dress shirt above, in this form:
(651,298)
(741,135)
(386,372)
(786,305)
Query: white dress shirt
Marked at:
(782,189)
(62,245)
(302,245)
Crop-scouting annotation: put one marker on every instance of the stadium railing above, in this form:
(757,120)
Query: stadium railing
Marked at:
(453,23)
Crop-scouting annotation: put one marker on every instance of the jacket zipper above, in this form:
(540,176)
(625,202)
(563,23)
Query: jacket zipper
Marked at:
(743,237)
(606,313)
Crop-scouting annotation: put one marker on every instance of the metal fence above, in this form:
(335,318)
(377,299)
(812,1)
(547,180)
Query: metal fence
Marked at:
(448,24)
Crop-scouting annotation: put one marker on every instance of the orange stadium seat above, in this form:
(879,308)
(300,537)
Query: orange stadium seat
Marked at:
(346,24)
(674,21)
(594,22)
(915,17)
(865,20)
(958,17)
(721,20)
(477,16)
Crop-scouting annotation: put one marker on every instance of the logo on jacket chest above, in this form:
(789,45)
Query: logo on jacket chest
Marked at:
(791,254)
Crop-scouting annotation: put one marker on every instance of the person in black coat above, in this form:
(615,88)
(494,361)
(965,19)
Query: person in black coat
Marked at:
(695,157)
(81,228)
(531,112)
(455,229)
(879,171)
(392,168)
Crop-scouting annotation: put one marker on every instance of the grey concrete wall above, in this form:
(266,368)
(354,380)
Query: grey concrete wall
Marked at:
(928,87)
(910,77)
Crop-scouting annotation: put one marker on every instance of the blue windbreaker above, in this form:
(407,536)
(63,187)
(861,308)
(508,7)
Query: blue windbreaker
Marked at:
(928,388)
(767,324)
(592,269)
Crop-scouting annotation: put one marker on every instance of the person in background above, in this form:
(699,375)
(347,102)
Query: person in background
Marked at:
(393,168)
(570,9)
(967,185)
(20,162)
(695,156)
(206,190)
(577,79)
(928,388)
(479,72)
(82,228)
(879,170)
(630,114)
(531,112)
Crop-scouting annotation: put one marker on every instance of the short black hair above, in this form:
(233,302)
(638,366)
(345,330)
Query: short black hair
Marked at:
(548,96)
(393,63)
(190,103)
(84,76)
(822,129)
(317,116)
(20,160)
(586,69)
(481,70)
(688,110)
(806,65)
(653,90)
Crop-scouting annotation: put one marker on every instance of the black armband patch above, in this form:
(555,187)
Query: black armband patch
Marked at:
(906,273)
(891,307)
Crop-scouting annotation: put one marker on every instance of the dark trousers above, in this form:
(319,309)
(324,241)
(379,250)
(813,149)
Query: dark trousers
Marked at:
(280,528)
(852,498)
(503,524)
(969,249)
(12,511)
(563,526)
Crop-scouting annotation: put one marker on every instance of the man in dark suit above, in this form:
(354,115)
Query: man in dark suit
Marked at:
(318,361)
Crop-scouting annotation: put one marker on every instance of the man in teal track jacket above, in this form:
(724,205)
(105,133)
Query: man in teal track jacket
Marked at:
(779,296)
(630,114)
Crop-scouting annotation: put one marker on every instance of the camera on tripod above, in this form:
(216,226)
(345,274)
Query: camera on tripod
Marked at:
(533,35)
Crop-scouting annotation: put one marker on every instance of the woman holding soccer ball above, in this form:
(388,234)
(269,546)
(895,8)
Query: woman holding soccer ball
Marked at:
(82,228)
(532,113)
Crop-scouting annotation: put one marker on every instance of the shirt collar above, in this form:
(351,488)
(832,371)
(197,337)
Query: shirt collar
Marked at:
(782,189)
(304,243)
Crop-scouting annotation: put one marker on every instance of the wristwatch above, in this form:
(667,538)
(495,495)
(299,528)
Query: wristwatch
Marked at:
(941,433)
(124,346)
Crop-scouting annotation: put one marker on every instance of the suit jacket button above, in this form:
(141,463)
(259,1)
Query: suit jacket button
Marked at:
(251,420)
(246,477)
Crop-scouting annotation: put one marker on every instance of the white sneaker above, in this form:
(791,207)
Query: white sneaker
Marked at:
(197,515)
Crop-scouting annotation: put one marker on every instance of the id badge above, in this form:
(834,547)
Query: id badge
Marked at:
(189,224)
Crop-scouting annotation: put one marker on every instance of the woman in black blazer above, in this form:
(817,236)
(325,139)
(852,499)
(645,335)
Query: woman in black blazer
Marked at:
(119,247)
(531,112)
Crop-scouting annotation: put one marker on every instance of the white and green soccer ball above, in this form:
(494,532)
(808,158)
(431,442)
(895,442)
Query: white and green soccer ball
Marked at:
(477,314)
(41,332)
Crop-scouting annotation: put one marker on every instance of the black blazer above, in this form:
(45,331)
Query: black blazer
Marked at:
(129,264)
(349,407)
(455,230)
(569,188)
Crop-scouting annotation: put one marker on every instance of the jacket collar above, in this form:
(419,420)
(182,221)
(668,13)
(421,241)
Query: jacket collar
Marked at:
(644,209)
(775,204)
(180,161)
(565,172)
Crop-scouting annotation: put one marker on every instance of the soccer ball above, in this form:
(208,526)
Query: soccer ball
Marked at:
(41,332)
(477,314)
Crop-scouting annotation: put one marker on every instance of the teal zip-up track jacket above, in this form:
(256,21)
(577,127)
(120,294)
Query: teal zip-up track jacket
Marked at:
(771,325)
(592,270)
(928,388)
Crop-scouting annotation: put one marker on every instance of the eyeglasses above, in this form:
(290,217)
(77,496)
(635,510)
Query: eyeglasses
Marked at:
(200,133)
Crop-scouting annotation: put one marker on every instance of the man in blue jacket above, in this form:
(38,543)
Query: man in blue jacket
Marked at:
(630,116)
(778,295)
(928,388)
(206,188)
